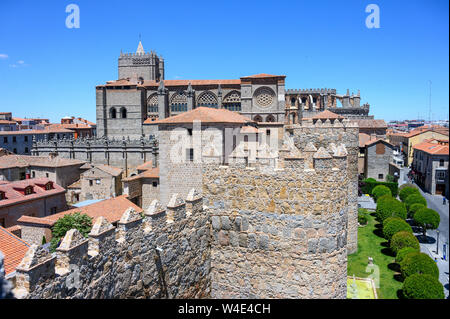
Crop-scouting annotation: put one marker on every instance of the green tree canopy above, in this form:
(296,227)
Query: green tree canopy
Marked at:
(81,222)
(422,287)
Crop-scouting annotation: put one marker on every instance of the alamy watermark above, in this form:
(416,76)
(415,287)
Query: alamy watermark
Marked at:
(73,19)
(373,19)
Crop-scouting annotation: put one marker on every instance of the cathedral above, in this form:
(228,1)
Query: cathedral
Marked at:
(127,107)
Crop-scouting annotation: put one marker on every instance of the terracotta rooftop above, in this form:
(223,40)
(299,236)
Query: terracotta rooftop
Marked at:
(114,171)
(9,161)
(14,191)
(112,209)
(205,115)
(145,166)
(77,184)
(71,126)
(46,130)
(327,115)
(149,173)
(433,147)
(13,248)
(7,122)
(262,76)
(415,132)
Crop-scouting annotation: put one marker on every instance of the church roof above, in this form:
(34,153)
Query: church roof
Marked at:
(327,115)
(262,76)
(205,115)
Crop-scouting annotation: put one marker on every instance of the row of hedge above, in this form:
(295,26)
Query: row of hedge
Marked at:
(419,271)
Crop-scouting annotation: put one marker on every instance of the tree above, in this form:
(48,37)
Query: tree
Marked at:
(362,216)
(402,253)
(395,225)
(380,190)
(403,239)
(418,263)
(387,206)
(422,287)
(427,218)
(415,199)
(414,208)
(81,222)
(406,191)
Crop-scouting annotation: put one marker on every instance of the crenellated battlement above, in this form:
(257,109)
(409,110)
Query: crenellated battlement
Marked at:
(163,254)
(311,91)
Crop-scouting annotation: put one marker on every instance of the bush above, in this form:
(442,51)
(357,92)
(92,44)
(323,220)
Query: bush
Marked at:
(81,222)
(362,216)
(418,263)
(422,287)
(380,190)
(415,199)
(369,184)
(427,219)
(402,253)
(414,208)
(390,178)
(403,239)
(387,206)
(406,191)
(406,185)
(395,225)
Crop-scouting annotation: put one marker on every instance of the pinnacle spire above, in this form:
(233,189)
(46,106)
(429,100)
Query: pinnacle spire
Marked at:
(140,49)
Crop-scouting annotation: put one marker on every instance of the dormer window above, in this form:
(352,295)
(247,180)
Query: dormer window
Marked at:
(48,186)
(28,190)
(2,195)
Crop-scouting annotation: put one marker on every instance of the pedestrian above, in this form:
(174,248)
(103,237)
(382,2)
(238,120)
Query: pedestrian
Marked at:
(443,200)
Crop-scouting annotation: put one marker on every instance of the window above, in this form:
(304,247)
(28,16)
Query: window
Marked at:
(232,101)
(380,149)
(207,99)
(178,103)
(2,222)
(268,132)
(155,184)
(26,149)
(53,210)
(48,186)
(441,162)
(46,175)
(113,113)
(293,101)
(5,139)
(123,113)
(97,181)
(380,176)
(189,131)
(25,138)
(15,151)
(14,139)
(22,176)
(152,104)
(91,182)
(190,154)
(28,190)
(2,195)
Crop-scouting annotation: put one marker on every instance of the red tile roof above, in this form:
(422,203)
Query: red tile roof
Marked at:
(327,115)
(46,130)
(13,195)
(150,173)
(432,148)
(114,171)
(205,115)
(145,166)
(13,248)
(262,76)
(9,161)
(370,123)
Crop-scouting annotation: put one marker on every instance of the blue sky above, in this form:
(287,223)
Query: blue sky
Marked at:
(48,70)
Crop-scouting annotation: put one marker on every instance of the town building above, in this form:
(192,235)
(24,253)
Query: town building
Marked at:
(430,166)
(100,182)
(405,142)
(33,228)
(37,197)
(143,187)
(377,158)
(13,248)
(61,171)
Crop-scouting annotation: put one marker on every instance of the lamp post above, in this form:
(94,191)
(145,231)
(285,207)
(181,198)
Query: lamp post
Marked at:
(437,242)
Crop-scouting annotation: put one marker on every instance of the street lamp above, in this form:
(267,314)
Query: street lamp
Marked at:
(437,243)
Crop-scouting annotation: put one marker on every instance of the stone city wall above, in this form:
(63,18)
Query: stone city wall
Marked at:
(166,254)
(279,232)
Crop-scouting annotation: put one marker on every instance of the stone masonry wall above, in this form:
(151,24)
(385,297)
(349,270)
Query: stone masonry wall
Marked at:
(163,255)
(279,232)
(327,133)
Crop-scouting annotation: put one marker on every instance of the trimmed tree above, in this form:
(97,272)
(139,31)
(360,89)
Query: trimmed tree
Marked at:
(415,199)
(422,287)
(395,225)
(362,216)
(418,263)
(406,185)
(406,191)
(403,239)
(387,206)
(414,208)
(379,191)
(81,222)
(402,253)
(427,218)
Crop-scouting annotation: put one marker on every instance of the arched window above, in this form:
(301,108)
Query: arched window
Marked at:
(178,103)
(257,118)
(270,118)
(232,101)
(293,101)
(113,113)
(207,99)
(123,113)
(152,104)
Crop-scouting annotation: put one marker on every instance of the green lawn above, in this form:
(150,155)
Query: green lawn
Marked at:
(370,243)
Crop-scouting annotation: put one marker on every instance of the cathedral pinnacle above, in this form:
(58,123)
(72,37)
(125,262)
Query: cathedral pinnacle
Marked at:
(140,49)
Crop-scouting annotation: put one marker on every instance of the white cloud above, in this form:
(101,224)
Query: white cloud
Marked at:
(20,62)
(3,56)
